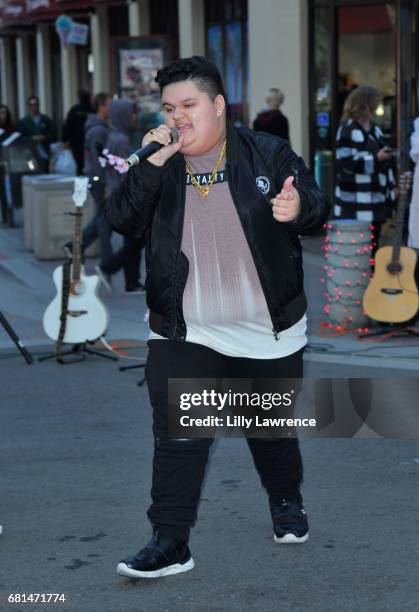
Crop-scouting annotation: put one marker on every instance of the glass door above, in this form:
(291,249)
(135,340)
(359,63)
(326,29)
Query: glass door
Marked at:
(352,42)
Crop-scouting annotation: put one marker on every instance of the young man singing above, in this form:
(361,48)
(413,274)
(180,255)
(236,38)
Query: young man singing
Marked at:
(224,289)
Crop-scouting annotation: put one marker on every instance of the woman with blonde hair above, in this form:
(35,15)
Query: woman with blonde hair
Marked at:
(272,120)
(364,174)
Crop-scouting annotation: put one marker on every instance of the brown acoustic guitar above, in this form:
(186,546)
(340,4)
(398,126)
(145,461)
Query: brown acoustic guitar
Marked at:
(392,295)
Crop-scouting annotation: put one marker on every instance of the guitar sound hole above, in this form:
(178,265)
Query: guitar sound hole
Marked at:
(77,288)
(394,268)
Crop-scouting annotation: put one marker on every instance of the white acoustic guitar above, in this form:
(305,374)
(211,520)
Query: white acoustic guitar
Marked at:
(87,317)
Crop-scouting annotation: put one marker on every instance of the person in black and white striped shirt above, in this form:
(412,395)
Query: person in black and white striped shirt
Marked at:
(364,175)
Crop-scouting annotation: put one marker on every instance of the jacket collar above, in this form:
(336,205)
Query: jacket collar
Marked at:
(232,142)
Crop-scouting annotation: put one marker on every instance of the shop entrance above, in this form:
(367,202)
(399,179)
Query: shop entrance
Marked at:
(361,43)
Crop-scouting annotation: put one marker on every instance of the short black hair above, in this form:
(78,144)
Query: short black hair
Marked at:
(84,97)
(100,99)
(205,74)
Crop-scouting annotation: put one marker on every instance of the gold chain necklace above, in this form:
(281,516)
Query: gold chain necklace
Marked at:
(204,190)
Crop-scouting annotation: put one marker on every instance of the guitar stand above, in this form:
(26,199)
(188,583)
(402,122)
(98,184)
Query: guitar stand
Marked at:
(391,330)
(79,351)
(23,350)
(134,367)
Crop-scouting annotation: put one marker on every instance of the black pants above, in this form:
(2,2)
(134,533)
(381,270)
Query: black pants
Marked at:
(179,466)
(99,227)
(128,258)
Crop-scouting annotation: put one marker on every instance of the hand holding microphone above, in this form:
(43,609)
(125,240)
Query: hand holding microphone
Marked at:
(158,146)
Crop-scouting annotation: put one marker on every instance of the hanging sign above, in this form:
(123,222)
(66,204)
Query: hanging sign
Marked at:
(63,25)
(78,34)
(71,32)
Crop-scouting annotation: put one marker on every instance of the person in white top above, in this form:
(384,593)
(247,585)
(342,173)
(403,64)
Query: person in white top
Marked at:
(413,238)
(221,211)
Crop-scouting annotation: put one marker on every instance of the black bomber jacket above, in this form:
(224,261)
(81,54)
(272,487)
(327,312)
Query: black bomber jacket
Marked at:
(150,203)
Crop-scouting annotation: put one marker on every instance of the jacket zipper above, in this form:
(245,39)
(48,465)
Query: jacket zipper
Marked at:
(179,245)
(275,330)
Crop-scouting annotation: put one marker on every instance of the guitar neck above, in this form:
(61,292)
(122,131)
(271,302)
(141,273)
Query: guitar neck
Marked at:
(398,235)
(81,184)
(77,244)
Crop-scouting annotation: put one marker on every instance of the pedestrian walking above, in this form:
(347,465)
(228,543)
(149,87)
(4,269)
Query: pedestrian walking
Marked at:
(39,128)
(122,117)
(365,183)
(96,135)
(96,131)
(73,128)
(221,216)
(272,120)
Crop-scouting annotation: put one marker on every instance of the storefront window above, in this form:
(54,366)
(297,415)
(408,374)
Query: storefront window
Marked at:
(351,43)
(164,20)
(323,77)
(226,46)
(215,46)
(366,56)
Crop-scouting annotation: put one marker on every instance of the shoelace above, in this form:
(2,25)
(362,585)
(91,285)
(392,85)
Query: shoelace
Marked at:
(285,515)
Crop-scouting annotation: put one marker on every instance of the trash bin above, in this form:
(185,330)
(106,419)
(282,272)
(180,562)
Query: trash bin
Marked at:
(18,157)
(47,224)
(28,183)
(323,172)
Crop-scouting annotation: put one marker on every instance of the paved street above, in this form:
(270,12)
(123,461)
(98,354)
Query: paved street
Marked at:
(75,479)
(76,454)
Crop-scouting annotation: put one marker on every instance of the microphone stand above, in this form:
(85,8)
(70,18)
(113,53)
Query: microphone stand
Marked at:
(26,354)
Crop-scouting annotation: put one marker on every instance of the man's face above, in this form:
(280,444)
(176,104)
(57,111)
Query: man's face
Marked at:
(200,120)
(33,107)
(104,108)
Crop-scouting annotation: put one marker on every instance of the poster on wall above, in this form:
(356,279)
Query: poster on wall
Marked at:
(138,68)
(136,62)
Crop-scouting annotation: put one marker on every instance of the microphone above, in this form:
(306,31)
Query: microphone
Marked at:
(137,157)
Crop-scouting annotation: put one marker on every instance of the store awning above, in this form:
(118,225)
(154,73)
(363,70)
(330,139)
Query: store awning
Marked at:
(27,12)
(364,19)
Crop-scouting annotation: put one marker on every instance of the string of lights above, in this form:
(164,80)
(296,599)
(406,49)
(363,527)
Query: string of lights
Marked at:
(347,250)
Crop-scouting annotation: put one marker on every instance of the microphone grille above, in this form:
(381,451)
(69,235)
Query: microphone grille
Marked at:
(175,135)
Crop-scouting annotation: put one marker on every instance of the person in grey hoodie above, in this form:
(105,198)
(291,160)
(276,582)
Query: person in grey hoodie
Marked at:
(122,117)
(96,132)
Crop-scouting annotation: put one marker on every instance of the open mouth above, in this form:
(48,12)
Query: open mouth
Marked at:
(183,127)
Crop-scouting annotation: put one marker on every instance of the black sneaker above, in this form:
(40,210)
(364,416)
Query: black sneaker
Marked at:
(290,522)
(135,288)
(161,557)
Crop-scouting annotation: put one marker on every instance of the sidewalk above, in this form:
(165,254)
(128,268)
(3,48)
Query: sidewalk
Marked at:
(398,353)
(26,288)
